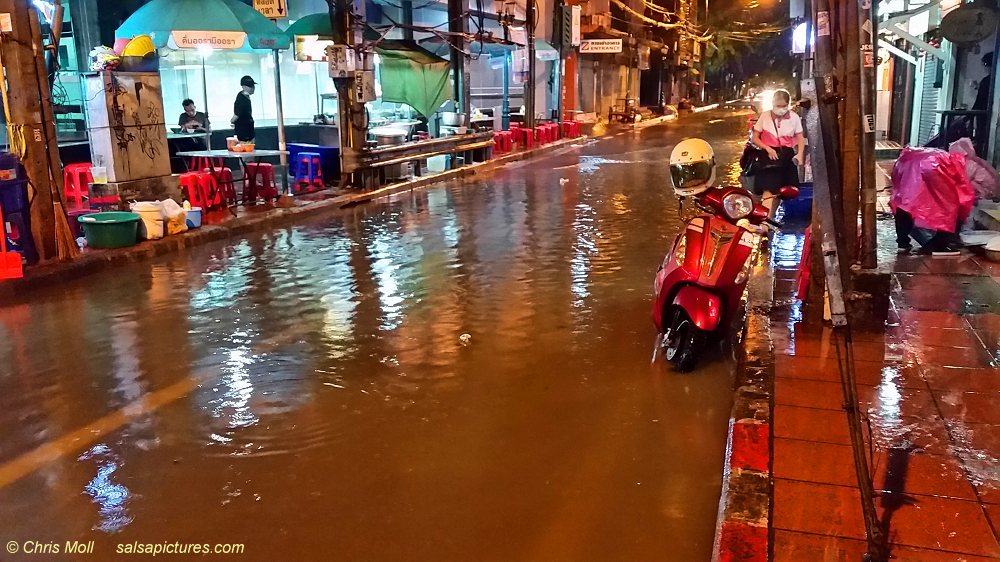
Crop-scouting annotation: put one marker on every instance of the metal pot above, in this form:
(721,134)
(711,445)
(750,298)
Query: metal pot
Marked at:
(389,136)
(449,119)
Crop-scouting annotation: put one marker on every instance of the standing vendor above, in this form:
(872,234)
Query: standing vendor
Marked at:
(243,111)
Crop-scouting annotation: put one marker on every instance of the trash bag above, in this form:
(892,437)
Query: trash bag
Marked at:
(931,185)
(981,175)
(176,217)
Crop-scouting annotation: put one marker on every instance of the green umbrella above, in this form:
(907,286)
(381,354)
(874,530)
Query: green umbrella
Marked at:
(222,24)
(319,24)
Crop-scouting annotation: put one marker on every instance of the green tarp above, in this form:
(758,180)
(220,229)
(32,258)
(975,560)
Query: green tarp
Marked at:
(414,76)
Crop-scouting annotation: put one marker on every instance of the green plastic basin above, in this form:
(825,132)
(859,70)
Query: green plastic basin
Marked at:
(111,229)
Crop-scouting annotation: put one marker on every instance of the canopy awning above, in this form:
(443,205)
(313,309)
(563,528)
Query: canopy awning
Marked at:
(414,76)
(191,24)
(320,25)
(441,47)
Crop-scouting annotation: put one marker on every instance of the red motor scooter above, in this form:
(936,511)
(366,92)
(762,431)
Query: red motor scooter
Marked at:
(700,283)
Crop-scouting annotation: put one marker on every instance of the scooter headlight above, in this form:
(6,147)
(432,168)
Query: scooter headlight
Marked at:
(737,205)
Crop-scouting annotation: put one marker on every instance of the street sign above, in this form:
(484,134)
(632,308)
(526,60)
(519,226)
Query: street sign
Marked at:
(272,9)
(213,39)
(602,46)
(570,26)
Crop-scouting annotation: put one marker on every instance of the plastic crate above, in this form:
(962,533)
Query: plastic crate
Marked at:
(800,208)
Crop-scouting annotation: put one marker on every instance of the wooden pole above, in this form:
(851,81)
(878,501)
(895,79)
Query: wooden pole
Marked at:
(529,86)
(65,243)
(18,52)
(866,16)
(827,190)
(850,141)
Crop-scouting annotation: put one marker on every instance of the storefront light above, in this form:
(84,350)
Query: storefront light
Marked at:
(205,51)
(47,9)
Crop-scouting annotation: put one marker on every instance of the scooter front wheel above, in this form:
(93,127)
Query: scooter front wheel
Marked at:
(684,343)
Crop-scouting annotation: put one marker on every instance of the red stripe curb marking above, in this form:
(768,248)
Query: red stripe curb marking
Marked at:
(751,446)
(741,542)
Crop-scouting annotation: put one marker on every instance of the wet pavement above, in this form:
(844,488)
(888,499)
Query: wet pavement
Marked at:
(929,389)
(462,373)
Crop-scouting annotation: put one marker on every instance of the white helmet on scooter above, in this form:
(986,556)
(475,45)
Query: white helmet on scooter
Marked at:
(692,167)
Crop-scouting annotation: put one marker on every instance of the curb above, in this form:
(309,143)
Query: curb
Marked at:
(654,121)
(742,528)
(92,262)
(472,169)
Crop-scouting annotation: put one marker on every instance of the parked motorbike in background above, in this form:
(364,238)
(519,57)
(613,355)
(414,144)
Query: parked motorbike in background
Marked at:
(700,283)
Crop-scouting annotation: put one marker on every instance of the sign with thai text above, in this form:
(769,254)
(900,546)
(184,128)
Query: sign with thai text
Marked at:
(601,46)
(214,39)
(273,9)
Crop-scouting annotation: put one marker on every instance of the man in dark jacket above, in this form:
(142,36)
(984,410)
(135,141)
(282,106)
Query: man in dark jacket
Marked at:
(243,111)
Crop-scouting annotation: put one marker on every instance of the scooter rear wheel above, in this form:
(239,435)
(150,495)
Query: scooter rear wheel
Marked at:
(684,345)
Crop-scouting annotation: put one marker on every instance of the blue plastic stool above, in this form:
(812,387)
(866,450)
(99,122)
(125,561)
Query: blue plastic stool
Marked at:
(308,170)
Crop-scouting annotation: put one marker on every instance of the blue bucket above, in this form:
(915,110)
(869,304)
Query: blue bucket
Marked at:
(800,208)
(194,217)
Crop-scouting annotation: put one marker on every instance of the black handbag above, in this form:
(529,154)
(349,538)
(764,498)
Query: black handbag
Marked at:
(754,159)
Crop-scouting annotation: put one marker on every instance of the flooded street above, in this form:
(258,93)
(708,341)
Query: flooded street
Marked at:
(461,373)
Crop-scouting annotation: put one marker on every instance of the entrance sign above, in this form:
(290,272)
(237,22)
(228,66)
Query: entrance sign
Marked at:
(213,39)
(601,46)
(272,9)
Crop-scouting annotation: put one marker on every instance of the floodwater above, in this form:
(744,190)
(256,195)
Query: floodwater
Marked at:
(461,373)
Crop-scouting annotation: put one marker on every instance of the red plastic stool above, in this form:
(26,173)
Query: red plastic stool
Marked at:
(260,182)
(210,190)
(227,186)
(202,163)
(525,137)
(542,133)
(191,187)
(76,181)
(498,143)
(507,139)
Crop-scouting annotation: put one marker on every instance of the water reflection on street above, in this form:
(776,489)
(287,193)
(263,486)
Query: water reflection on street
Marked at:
(459,374)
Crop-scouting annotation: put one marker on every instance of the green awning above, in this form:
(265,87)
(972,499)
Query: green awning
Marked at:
(414,76)
(319,24)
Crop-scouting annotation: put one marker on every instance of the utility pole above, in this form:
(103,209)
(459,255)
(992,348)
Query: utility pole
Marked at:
(822,123)
(529,94)
(866,13)
(850,142)
(347,20)
(458,26)
(30,107)
(407,19)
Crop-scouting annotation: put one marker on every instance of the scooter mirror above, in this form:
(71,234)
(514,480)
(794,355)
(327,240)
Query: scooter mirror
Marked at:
(788,192)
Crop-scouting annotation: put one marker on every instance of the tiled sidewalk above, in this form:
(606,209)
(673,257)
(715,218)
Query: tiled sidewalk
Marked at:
(931,389)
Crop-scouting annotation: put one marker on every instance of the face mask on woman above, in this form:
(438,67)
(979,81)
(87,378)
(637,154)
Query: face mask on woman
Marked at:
(780,111)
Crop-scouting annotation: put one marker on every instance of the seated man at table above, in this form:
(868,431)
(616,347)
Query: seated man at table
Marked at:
(194,121)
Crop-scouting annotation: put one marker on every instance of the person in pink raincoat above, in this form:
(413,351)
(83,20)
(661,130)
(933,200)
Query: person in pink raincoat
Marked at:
(981,175)
(930,191)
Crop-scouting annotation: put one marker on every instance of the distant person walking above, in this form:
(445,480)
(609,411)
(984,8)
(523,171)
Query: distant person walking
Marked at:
(778,133)
(243,111)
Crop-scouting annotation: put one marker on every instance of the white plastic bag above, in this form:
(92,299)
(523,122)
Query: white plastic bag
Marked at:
(176,216)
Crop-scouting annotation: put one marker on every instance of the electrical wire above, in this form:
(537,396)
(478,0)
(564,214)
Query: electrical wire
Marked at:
(18,146)
(649,20)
